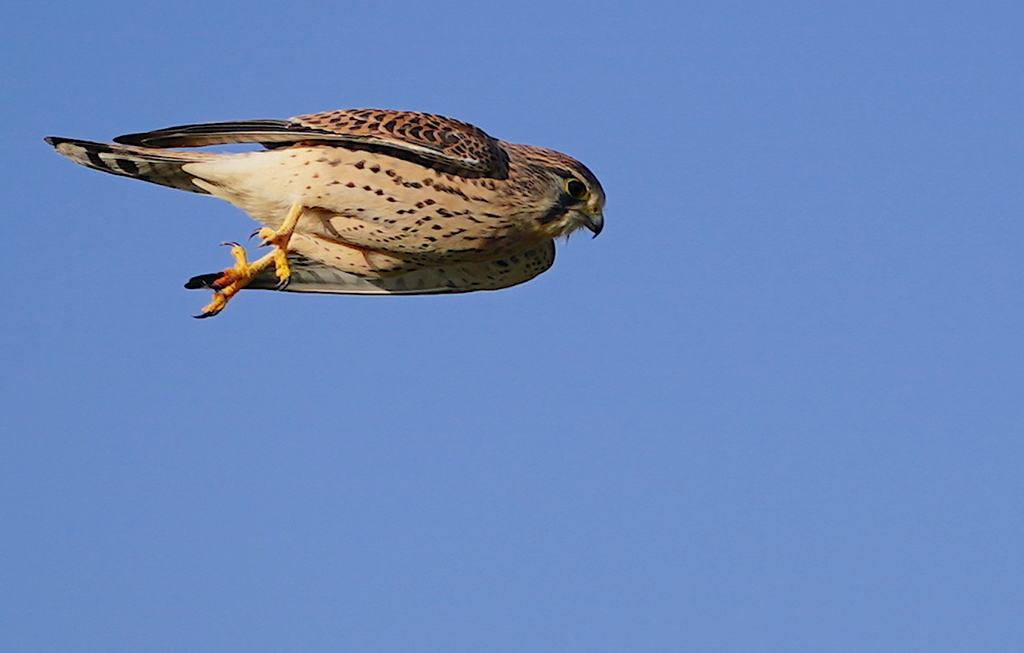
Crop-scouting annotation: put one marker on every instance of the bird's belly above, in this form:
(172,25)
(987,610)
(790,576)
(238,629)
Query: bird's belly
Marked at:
(372,201)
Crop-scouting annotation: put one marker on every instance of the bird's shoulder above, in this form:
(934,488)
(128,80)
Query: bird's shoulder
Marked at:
(452,144)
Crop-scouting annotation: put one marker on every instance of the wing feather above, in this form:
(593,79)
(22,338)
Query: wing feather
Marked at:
(440,142)
(309,275)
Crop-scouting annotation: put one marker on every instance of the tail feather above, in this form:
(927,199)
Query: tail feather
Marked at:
(155,166)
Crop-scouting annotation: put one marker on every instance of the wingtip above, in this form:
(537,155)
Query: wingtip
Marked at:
(203,281)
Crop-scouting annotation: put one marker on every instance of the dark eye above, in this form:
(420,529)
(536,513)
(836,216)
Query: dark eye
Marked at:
(576,189)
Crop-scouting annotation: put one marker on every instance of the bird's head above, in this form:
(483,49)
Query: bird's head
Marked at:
(587,207)
(568,196)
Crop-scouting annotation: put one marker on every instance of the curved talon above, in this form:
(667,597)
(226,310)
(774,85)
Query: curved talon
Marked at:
(234,279)
(214,307)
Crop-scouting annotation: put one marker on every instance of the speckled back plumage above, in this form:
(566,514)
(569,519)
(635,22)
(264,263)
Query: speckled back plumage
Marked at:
(444,140)
(454,146)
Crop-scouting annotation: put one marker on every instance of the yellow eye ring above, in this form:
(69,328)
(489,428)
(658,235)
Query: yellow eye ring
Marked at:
(576,189)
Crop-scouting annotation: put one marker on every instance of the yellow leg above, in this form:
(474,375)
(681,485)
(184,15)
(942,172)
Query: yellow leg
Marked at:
(239,276)
(279,239)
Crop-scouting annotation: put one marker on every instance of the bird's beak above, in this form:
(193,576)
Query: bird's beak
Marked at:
(594,222)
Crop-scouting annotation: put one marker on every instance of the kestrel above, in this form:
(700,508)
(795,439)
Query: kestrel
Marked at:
(368,201)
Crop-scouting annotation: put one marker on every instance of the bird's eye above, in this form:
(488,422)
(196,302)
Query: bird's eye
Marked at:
(576,189)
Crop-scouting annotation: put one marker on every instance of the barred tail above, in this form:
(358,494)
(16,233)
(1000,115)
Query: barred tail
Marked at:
(162,167)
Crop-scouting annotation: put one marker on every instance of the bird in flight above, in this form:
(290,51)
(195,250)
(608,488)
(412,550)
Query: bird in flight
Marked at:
(368,201)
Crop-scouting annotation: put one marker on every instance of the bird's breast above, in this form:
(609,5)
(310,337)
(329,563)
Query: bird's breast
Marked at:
(374,201)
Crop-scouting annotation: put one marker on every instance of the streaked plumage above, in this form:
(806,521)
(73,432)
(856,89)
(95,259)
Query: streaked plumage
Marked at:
(387,202)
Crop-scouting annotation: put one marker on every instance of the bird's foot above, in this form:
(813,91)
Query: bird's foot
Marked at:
(279,241)
(243,272)
(235,278)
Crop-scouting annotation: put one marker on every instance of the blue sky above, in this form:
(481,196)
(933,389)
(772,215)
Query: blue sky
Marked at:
(776,406)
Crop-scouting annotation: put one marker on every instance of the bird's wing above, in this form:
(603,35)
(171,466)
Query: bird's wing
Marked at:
(440,142)
(308,275)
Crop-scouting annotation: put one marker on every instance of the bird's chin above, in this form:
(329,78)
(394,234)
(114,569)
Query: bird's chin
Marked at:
(583,220)
(574,222)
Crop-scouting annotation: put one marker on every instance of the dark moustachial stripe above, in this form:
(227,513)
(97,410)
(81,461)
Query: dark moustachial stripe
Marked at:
(559,209)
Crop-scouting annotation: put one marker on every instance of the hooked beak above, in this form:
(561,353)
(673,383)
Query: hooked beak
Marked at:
(594,222)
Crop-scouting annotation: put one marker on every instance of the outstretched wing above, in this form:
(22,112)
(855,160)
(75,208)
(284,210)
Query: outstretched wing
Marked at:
(309,275)
(436,141)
